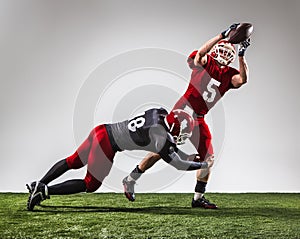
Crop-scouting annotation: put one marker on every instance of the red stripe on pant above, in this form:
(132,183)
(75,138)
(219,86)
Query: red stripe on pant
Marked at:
(96,151)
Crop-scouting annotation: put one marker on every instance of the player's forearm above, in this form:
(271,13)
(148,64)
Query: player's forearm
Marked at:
(206,47)
(184,165)
(174,159)
(186,157)
(201,59)
(244,70)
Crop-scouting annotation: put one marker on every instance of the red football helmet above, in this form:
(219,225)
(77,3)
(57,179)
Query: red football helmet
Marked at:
(180,124)
(223,52)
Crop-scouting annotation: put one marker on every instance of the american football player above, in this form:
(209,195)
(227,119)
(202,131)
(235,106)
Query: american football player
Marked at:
(155,130)
(211,78)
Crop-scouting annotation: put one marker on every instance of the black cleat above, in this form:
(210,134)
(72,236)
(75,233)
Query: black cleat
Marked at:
(204,203)
(129,189)
(38,193)
(31,186)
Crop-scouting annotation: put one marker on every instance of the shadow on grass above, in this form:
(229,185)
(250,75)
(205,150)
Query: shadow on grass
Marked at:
(168,210)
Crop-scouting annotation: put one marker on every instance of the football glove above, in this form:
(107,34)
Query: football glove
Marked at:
(243,47)
(227,31)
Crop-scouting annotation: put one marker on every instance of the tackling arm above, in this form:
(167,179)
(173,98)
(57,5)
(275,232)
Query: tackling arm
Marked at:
(170,156)
(188,157)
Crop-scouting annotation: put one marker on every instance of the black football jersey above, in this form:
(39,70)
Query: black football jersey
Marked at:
(148,131)
(139,127)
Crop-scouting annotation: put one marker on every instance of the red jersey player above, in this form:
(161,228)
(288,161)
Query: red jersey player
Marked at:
(211,78)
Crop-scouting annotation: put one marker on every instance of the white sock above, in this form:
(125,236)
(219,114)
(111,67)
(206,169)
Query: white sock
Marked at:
(198,195)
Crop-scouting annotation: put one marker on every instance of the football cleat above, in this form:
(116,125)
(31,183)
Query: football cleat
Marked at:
(204,203)
(129,189)
(38,194)
(31,186)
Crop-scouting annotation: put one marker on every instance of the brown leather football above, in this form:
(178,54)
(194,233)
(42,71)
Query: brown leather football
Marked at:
(241,33)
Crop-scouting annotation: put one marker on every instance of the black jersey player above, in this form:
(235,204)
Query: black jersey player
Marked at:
(155,130)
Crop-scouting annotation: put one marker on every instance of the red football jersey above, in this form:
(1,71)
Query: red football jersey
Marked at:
(207,85)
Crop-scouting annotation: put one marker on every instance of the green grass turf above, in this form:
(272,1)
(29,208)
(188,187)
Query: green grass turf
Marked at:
(109,215)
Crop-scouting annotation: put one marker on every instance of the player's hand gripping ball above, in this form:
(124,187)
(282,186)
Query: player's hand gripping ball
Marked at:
(241,33)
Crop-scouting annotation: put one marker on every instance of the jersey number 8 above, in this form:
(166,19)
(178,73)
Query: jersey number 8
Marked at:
(136,123)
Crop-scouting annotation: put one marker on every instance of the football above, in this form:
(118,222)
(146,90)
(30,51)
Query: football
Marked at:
(241,33)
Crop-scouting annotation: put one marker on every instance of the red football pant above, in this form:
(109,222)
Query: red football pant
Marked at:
(97,153)
(201,138)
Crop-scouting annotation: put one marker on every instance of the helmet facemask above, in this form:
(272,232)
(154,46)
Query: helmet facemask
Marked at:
(181,138)
(180,125)
(223,52)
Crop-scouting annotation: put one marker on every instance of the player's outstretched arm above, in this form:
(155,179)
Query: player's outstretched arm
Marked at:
(201,58)
(240,79)
(170,156)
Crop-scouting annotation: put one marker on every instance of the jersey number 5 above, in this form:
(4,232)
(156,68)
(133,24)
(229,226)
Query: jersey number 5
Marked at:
(211,90)
(136,123)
